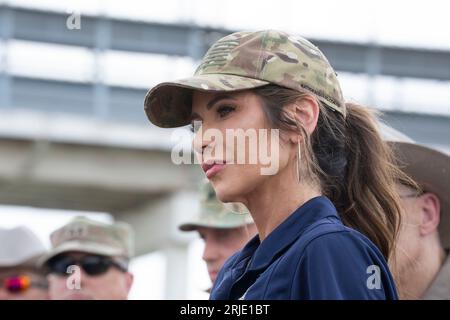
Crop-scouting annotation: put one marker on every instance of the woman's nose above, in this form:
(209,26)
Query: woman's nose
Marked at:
(199,142)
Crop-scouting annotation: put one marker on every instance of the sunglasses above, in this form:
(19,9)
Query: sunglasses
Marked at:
(411,195)
(21,283)
(92,265)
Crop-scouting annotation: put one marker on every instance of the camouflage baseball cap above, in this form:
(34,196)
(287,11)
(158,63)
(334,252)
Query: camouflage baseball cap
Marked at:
(86,235)
(247,60)
(215,214)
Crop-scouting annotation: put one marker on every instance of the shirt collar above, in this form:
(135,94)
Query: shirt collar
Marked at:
(286,233)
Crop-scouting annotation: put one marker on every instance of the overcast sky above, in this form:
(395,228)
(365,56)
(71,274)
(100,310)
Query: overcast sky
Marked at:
(422,24)
(413,23)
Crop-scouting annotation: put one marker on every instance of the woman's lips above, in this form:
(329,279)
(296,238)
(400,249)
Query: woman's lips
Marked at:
(212,168)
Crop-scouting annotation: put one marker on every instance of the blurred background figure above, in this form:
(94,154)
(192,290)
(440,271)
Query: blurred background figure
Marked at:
(223,231)
(421,263)
(100,251)
(20,277)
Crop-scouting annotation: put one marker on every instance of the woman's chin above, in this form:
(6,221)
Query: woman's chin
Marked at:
(227,192)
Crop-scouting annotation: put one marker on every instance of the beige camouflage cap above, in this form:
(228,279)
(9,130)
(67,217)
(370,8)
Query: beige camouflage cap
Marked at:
(246,60)
(86,235)
(215,214)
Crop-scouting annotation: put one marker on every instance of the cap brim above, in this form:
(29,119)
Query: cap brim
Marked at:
(85,247)
(168,105)
(195,225)
(31,263)
(431,169)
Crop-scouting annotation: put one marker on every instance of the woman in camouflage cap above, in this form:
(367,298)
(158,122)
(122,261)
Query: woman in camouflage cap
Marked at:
(328,217)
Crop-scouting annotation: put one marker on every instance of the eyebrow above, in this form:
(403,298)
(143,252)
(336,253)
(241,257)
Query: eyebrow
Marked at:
(216,99)
(210,104)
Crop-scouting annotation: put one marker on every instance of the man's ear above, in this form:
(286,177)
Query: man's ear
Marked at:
(129,281)
(305,111)
(430,213)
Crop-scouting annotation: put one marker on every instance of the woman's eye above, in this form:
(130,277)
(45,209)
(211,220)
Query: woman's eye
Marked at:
(224,110)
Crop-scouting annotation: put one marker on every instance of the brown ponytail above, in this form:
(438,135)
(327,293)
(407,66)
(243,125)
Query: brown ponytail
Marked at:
(353,165)
(370,203)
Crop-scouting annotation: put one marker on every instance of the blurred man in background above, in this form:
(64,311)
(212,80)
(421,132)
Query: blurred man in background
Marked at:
(223,230)
(20,277)
(421,263)
(89,260)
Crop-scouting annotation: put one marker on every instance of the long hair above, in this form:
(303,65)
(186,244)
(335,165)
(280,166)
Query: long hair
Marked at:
(353,166)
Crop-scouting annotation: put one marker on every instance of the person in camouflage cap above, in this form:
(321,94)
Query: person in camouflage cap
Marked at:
(224,231)
(332,197)
(89,260)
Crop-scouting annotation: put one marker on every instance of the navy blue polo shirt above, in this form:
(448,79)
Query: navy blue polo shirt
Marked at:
(310,255)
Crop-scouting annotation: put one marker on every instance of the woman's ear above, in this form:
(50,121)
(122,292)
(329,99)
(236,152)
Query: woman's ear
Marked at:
(305,111)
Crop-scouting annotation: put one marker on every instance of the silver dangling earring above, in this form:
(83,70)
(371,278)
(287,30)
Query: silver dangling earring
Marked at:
(299,159)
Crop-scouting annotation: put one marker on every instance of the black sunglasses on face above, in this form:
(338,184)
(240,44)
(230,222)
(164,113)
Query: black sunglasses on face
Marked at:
(93,265)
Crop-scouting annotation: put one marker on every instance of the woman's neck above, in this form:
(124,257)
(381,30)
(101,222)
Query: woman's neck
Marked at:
(277,198)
